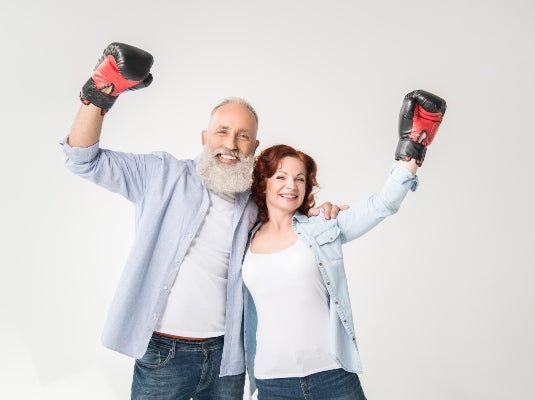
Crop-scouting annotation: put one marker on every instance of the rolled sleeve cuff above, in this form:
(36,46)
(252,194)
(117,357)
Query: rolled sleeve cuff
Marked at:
(79,154)
(404,176)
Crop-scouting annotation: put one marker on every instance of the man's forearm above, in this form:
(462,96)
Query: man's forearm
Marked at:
(86,127)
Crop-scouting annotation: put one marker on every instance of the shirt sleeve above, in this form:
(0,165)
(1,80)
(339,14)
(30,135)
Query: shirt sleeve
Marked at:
(123,173)
(368,212)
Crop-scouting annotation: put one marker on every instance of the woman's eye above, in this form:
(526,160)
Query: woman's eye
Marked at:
(279,177)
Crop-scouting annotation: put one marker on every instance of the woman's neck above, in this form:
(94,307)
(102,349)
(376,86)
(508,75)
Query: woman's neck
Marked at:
(278,220)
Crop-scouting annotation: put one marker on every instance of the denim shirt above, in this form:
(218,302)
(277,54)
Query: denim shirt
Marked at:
(170,205)
(325,238)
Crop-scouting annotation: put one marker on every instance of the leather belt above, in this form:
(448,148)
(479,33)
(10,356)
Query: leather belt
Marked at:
(187,339)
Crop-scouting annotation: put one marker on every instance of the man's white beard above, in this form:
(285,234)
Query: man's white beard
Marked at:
(225,178)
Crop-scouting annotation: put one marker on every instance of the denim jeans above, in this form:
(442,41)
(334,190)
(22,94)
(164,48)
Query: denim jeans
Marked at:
(335,384)
(182,370)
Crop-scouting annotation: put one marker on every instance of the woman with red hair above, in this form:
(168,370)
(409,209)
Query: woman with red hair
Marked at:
(299,335)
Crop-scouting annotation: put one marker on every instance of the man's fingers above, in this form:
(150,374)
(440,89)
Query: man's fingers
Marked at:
(330,211)
(313,212)
(334,211)
(327,210)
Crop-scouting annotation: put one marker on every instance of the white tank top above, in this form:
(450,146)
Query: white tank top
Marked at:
(196,304)
(292,336)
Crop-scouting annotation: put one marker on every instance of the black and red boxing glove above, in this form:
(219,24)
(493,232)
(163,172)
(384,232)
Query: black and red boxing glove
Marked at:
(419,119)
(121,67)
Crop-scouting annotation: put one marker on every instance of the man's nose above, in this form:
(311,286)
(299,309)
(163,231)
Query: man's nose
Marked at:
(231,143)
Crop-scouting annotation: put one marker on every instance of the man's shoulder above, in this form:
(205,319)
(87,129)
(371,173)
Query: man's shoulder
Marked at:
(171,160)
(164,155)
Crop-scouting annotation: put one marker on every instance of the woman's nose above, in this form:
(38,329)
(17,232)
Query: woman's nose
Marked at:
(290,183)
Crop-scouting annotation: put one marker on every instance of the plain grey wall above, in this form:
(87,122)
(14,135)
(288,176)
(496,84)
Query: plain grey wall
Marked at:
(442,292)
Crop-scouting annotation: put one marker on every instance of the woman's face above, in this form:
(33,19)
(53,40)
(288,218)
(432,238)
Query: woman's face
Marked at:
(285,190)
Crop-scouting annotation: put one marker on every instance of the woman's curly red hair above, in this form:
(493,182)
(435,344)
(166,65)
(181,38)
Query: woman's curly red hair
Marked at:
(266,165)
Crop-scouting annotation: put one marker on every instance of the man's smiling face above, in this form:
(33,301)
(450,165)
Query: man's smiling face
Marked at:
(231,133)
(229,144)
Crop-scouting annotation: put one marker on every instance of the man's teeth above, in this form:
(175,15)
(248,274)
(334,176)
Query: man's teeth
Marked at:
(227,157)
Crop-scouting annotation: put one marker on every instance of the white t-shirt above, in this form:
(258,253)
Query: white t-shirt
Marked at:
(292,305)
(196,304)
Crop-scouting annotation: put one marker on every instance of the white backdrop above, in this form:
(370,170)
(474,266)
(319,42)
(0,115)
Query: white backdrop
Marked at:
(442,292)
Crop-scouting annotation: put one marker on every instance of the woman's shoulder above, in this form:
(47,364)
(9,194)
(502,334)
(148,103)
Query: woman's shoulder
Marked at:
(316,223)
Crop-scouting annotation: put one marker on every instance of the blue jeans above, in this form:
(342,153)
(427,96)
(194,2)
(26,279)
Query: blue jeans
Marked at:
(335,384)
(182,370)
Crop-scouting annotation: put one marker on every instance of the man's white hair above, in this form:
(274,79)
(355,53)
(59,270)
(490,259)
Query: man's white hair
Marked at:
(236,100)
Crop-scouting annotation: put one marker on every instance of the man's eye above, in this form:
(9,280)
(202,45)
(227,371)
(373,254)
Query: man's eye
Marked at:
(222,132)
(244,137)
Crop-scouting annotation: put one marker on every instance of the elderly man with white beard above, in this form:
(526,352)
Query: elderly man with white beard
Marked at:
(179,303)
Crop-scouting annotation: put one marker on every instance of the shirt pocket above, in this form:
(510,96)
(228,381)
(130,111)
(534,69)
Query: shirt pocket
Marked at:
(329,243)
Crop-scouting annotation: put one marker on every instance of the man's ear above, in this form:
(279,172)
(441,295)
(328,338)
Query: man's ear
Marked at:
(256,144)
(204,137)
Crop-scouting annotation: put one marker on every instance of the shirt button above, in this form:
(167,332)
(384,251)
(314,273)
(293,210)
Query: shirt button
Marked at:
(336,302)
(309,245)
(328,283)
(321,264)
(165,288)
(353,338)
(345,320)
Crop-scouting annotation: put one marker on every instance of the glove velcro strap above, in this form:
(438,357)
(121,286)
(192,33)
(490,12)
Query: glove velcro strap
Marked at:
(412,149)
(90,94)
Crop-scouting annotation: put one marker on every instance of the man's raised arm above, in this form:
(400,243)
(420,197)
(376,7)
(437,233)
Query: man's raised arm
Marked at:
(121,67)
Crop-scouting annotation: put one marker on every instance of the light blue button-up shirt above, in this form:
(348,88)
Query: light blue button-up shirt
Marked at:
(325,238)
(170,206)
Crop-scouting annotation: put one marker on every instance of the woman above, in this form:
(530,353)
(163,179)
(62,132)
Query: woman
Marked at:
(299,335)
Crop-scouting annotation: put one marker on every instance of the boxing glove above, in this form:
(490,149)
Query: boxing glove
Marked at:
(419,119)
(121,67)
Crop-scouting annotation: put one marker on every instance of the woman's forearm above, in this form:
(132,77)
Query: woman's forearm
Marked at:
(410,165)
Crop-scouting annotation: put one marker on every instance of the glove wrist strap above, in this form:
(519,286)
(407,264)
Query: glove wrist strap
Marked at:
(407,147)
(90,94)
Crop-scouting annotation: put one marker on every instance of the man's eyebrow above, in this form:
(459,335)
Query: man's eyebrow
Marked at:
(243,130)
(223,127)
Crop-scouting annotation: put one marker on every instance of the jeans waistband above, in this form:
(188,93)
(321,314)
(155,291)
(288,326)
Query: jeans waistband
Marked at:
(205,344)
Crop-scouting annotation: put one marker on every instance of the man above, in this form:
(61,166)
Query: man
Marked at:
(178,306)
